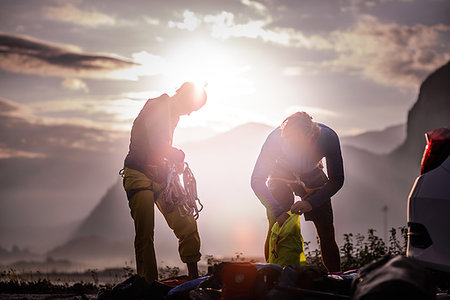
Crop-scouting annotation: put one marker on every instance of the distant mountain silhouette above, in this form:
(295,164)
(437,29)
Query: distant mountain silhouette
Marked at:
(431,111)
(378,142)
(107,219)
(51,176)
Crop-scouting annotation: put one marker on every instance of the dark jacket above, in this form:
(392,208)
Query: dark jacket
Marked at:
(278,156)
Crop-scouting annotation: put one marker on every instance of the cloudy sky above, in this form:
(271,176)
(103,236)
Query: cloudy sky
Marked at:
(355,65)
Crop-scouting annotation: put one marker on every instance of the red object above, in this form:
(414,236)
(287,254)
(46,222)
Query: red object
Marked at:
(176,281)
(436,150)
(238,281)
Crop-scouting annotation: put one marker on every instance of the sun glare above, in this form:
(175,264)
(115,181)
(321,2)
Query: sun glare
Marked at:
(222,69)
(209,65)
(203,62)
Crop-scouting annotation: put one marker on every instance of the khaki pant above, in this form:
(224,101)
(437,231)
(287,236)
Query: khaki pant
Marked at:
(142,210)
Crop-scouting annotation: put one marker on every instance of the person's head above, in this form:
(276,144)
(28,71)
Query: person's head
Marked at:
(189,97)
(299,129)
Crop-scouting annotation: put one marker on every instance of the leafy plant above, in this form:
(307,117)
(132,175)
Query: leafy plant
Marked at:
(359,250)
(168,272)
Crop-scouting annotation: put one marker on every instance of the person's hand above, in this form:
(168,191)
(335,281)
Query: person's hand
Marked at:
(282,218)
(301,207)
(179,167)
(177,158)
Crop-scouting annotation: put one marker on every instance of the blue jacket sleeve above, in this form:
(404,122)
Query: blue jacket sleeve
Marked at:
(335,170)
(264,164)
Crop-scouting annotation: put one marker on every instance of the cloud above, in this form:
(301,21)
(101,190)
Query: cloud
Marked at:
(103,113)
(146,64)
(23,134)
(224,26)
(190,22)
(68,13)
(6,153)
(255,5)
(356,6)
(151,20)
(20,54)
(75,84)
(10,108)
(389,53)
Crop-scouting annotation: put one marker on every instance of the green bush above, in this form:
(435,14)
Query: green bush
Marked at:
(359,250)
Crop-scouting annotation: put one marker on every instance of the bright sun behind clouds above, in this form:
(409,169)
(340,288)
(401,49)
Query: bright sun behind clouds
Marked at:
(223,71)
(200,61)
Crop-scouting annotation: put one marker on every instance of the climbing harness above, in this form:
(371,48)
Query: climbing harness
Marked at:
(185,196)
(298,181)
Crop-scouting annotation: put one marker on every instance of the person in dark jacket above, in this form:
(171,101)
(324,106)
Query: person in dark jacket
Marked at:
(289,164)
(146,169)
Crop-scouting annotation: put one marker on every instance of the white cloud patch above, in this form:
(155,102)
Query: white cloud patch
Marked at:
(146,64)
(190,22)
(75,84)
(151,20)
(66,12)
(224,26)
(259,7)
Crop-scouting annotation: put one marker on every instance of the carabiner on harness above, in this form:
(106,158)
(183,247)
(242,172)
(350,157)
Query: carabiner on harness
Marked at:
(184,197)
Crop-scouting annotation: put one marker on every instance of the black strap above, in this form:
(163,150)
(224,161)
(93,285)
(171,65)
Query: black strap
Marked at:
(131,193)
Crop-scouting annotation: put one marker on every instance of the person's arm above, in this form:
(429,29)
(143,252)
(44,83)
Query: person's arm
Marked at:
(335,170)
(263,167)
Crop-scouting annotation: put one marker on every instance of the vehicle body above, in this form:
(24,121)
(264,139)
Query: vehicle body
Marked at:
(429,205)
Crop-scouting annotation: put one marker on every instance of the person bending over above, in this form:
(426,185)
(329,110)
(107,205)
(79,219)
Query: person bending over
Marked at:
(289,165)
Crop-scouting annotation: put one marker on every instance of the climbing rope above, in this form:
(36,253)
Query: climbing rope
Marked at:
(185,196)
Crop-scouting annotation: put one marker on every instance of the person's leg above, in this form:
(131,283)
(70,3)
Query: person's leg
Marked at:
(142,211)
(323,221)
(185,229)
(271,221)
(141,203)
(328,247)
(283,194)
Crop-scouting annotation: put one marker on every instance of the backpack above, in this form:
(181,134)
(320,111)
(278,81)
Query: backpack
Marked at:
(286,243)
